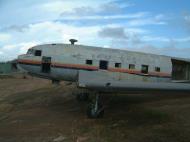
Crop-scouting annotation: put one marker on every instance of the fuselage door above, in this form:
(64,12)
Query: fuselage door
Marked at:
(46,64)
(103,65)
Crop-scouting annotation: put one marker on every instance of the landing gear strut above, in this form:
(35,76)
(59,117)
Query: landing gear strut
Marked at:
(95,109)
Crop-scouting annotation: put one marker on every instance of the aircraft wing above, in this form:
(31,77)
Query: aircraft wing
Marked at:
(102,81)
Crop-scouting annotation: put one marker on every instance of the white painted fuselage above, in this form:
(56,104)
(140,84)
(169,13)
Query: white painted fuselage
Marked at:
(66,60)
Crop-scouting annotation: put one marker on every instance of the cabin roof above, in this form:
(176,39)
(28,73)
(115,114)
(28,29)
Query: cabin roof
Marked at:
(181,59)
(116,49)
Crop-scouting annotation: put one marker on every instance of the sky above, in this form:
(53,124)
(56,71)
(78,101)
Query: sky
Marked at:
(159,27)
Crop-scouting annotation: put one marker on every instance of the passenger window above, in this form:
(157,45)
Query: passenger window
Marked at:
(103,65)
(38,53)
(118,65)
(157,69)
(131,66)
(144,69)
(89,62)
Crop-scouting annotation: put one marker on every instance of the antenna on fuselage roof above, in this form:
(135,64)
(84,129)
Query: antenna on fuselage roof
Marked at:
(73,41)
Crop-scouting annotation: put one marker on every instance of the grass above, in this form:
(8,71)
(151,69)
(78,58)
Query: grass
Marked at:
(37,111)
(148,117)
(5,76)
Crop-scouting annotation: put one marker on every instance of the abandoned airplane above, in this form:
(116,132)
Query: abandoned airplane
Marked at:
(106,70)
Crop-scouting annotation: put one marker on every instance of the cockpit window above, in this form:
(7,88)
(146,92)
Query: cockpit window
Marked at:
(38,53)
(34,52)
(30,51)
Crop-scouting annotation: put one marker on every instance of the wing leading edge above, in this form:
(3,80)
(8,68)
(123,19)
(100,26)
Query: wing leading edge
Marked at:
(101,81)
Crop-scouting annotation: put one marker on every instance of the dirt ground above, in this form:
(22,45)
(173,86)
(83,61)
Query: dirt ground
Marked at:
(34,110)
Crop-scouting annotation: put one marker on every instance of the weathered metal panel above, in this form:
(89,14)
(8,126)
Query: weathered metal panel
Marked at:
(78,54)
(103,82)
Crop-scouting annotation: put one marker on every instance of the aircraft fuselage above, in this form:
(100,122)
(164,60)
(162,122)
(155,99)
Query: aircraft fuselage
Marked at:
(63,61)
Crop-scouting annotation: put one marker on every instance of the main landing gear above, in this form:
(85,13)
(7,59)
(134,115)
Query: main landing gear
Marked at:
(95,109)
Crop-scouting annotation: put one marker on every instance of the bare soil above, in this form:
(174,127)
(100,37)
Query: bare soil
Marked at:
(34,110)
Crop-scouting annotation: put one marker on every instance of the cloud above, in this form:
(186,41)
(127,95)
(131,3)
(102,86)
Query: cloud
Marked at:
(113,10)
(122,35)
(114,21)
(121,38)
(58,32)
(187,21)
(4,37)
(155,38)
(164,39)
(119,32)
(16,28)
(155,20)
(187,18)
(168,50)
(136,40)
(106,10)
(15,12)
(11,51)
(114,7)
(185,39)
(67,6)
(49,31)
(111,7)
(45,32)
(56,6)
(114,32)
(102,17)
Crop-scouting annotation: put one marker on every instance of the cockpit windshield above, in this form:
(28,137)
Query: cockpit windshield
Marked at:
(34,52)
(30,51)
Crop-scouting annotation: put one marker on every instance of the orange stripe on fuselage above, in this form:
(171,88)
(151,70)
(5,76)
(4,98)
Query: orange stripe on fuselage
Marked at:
(124,70)
(160,74)
(139,72)
(78,66)
(29,61)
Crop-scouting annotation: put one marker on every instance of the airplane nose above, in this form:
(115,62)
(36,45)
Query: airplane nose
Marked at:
(20,57)
(20,66)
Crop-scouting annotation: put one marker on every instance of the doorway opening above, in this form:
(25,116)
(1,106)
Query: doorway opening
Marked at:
(180,70)
(46,64)
(103,65)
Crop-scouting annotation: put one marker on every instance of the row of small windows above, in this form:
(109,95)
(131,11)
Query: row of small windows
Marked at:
(104,65)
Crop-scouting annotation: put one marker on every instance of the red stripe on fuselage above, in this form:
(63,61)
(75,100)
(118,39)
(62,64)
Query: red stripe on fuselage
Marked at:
(89,67)
(77,66)
(29,61)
